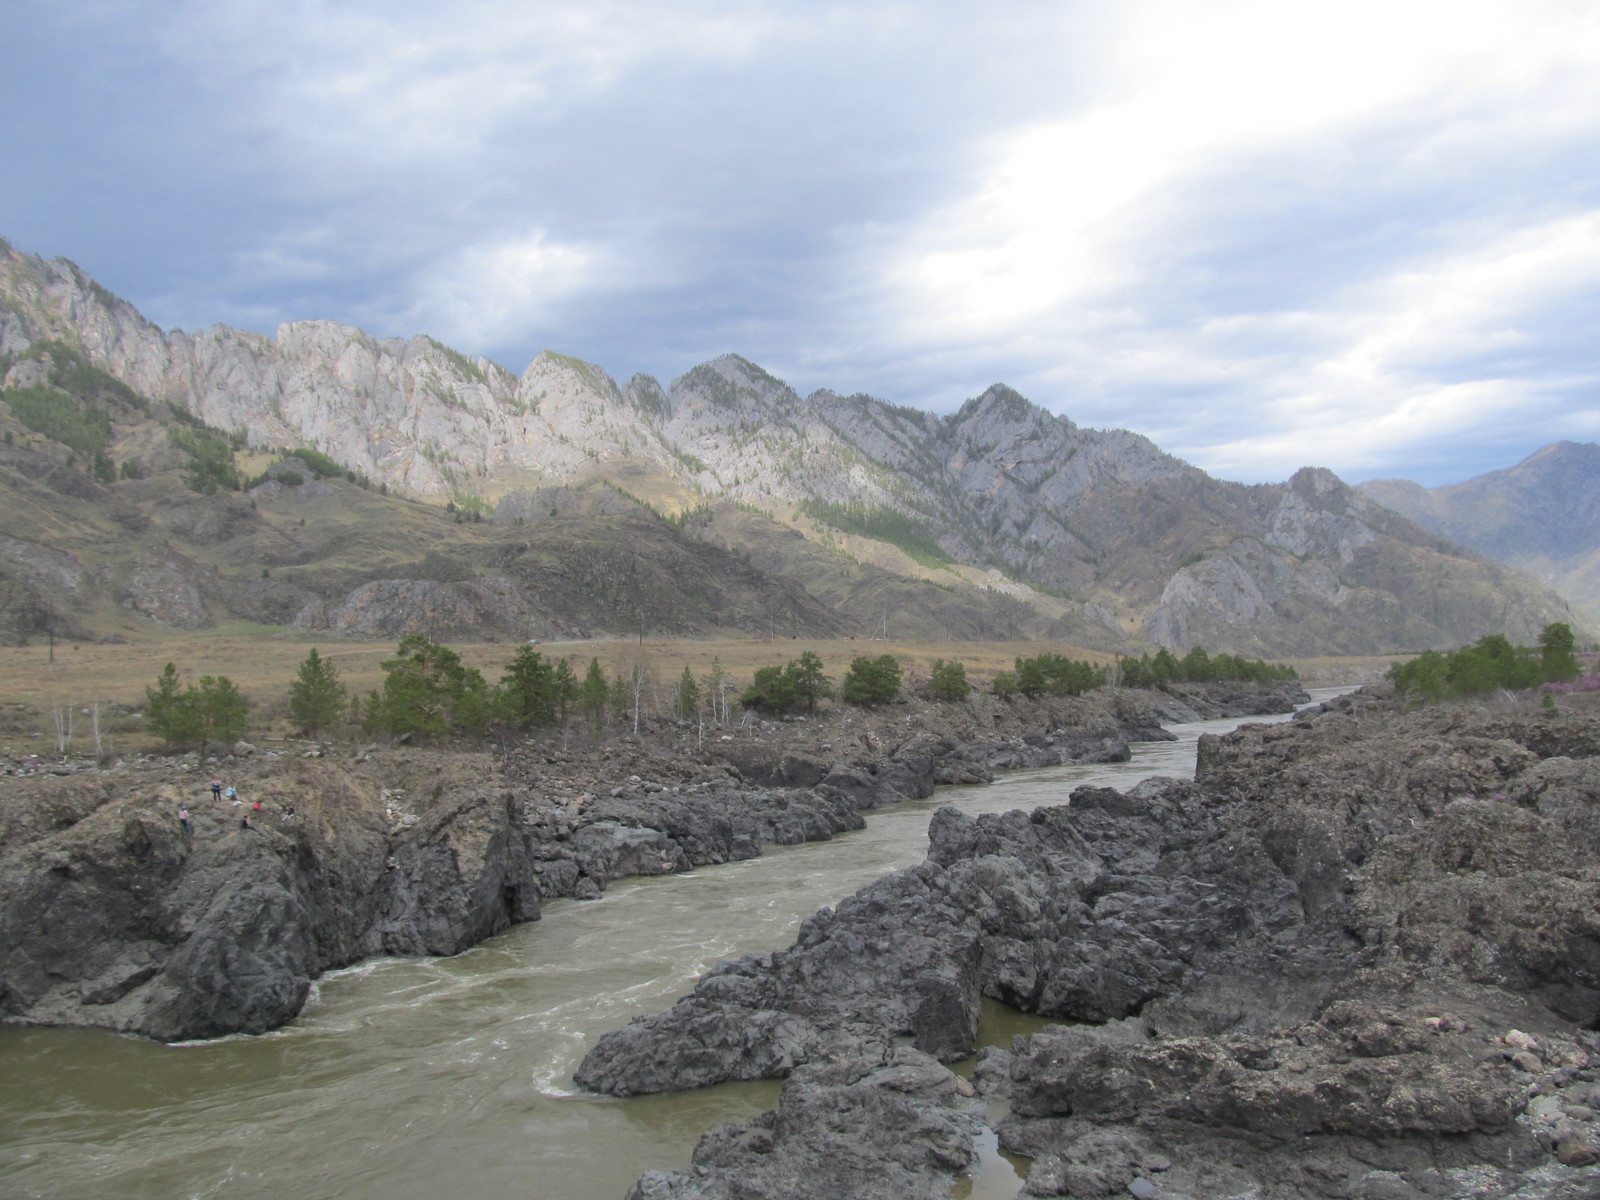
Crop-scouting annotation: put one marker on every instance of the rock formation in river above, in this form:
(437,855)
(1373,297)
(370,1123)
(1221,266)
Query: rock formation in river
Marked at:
(110,916)
(1359,956)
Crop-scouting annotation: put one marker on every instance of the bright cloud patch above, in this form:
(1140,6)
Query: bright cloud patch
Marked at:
(1361,234)
(492,293)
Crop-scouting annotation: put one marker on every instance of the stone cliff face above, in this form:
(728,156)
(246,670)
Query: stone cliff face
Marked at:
(114,917)
(1109,537)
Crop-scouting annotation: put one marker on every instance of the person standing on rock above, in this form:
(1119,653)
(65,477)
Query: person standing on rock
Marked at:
(183,819)
(216,789)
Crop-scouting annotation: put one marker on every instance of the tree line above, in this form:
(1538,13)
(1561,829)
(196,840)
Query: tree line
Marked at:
(429,694)
(1489,664)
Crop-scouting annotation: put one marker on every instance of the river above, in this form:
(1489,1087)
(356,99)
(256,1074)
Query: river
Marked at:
(408,1078)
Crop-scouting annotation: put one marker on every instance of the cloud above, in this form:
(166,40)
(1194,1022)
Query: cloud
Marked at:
(490,293)
(1268,214)
(1263,234)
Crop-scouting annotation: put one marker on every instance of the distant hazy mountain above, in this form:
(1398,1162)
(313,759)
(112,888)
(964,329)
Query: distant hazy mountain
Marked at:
(999,520)
(1542,516)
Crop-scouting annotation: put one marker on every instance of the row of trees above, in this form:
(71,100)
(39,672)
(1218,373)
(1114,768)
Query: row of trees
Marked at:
(429,693)
(1198,667)
(212,711)
(1489,663)
(799,684)
(1049,675)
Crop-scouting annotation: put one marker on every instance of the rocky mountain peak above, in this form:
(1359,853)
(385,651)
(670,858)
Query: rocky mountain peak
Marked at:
(732,383)
(1319,484)
(1099,531)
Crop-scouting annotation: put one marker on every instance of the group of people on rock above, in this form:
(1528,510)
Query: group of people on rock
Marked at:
(230,795)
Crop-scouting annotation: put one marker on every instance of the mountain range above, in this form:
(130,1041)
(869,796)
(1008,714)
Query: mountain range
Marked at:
(1541,515)
(332,480)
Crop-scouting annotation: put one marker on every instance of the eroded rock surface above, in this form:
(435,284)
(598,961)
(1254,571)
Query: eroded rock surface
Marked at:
(112,916)
(1319,970)
(908,1135)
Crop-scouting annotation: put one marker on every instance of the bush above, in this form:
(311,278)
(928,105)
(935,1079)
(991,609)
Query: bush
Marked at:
(796,685)
(948,680)
(871,680)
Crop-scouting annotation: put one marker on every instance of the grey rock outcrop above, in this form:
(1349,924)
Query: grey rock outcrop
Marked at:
(898,1129)
(1319,970)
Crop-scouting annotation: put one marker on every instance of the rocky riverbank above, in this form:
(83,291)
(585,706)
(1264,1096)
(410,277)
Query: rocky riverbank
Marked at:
(112,915)
(1358,956)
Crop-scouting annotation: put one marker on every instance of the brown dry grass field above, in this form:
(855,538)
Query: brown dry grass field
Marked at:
(261,663)
(262,666)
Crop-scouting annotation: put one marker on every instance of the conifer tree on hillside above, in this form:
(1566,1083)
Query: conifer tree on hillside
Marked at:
(593,694)
(871,680)
(948,680)
(215,711)
(428,692)
(1558,662)
(317,697)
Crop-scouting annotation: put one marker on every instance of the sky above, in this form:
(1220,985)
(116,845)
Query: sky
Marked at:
(1362,235)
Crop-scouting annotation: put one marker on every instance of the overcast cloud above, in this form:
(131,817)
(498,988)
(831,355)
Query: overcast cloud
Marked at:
(1362,235)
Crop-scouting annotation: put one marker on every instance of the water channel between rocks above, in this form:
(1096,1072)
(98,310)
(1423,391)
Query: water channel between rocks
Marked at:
(419,1077)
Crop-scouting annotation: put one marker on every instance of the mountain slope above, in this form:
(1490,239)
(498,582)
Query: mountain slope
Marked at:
(999,520)
(1541,515)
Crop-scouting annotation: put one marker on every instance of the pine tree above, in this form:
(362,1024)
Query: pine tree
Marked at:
(168,711)
(429,693)
(565,689)
(1558,663)
(220,710)
(528,689)
(808,681)
(215,711)
(594,693)
(871,680)
(686,696)
(317,697)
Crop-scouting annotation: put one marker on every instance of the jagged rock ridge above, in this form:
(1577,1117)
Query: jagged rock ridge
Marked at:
(1102,538)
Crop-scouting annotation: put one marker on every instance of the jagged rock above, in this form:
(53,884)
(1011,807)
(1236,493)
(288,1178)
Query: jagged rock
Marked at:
(1319,965)
(112,918)
(897,1129)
